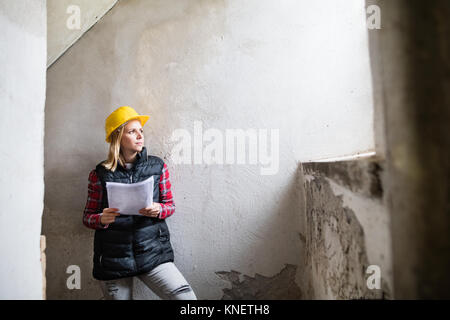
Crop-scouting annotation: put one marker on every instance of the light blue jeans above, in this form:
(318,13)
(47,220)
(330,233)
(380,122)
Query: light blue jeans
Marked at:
(165,280)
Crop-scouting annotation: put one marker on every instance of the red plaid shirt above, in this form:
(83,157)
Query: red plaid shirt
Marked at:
(93,209)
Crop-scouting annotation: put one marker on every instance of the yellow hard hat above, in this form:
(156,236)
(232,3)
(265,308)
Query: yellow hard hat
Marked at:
(119,117)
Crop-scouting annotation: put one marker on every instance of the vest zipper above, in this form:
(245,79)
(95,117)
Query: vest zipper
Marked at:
(132,245)
(133,248)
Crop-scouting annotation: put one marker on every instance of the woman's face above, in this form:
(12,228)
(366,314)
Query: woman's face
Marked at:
(133,137)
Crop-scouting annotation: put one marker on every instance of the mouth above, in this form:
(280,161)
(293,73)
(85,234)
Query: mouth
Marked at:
(139,143)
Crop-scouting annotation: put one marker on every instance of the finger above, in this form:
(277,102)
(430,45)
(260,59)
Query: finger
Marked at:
(111,209)
(147,213)
(111,214)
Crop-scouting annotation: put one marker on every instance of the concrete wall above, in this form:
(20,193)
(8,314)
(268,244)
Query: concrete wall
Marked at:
(346,229)
(22,100)
(221,65)
(65,26)
(412,64)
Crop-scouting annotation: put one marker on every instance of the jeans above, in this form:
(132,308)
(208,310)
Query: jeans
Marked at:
(165,280)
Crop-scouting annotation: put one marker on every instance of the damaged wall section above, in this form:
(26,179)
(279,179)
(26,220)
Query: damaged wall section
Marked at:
(280,286)
(346,230)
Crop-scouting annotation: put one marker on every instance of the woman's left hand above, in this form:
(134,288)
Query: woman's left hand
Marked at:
(152,211)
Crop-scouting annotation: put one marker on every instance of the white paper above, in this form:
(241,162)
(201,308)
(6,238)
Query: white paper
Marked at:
(130,198)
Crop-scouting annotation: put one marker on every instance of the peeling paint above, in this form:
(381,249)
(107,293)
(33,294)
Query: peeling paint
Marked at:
(279,286)
(345,223)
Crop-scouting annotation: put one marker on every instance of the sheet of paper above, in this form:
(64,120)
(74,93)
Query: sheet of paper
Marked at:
(130,198)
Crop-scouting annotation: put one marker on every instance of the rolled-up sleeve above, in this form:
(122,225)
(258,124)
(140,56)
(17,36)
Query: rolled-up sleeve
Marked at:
(165,194)
(93,209)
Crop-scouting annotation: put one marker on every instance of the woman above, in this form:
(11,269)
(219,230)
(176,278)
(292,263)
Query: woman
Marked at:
(127,246)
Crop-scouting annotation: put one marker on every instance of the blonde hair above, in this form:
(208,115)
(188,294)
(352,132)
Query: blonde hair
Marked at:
(114,154)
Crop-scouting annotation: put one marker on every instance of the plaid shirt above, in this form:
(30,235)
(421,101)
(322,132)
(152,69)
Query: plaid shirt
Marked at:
(93,209)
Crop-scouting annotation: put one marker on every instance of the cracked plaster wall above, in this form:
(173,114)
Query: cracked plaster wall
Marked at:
(347,229)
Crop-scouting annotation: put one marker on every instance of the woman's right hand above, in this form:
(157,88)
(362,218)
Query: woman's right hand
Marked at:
(109,215)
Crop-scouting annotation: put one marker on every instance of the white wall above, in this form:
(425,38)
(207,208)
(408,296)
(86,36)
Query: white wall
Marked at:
(22,100)
(298,66)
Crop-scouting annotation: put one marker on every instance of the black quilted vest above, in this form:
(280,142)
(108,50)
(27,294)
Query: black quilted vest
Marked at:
(131,245)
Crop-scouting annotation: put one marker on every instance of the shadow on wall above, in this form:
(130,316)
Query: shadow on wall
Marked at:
(69,242)
(284,284)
